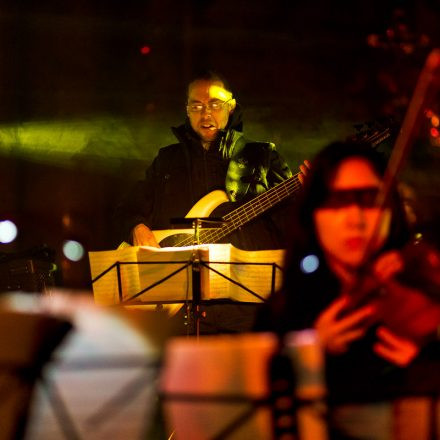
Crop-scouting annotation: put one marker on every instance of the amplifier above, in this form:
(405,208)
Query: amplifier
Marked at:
(31,273)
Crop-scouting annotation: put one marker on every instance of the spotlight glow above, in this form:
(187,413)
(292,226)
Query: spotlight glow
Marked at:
(309,264)
(73,250)
(8,231)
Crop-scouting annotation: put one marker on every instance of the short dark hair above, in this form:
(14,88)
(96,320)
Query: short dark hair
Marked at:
(209,75)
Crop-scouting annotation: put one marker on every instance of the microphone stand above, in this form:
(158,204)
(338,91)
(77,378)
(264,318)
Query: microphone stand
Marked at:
(196,279)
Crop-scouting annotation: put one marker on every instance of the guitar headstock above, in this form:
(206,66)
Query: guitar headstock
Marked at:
(374,132)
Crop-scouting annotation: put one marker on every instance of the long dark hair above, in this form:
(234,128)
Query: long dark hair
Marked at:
(317,187)
(305,291)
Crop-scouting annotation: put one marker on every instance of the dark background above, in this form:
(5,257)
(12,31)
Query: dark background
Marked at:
(83,110)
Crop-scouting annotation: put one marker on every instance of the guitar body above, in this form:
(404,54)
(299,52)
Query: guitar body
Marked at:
(203,208)
(171,237)
(206,205)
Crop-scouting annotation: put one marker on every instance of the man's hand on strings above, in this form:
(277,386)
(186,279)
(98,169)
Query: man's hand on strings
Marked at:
(143,236)
(336,333)
(304,168)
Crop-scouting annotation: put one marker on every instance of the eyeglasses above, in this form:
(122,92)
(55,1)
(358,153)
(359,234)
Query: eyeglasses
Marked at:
(213,106)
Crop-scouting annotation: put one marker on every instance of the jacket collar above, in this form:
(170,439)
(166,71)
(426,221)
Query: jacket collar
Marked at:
(225,142)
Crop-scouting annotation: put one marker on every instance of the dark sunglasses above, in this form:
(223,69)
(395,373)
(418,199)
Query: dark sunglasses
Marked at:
(363,197)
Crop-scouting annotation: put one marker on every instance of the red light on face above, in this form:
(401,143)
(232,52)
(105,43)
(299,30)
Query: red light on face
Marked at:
(434,132)
(145,50)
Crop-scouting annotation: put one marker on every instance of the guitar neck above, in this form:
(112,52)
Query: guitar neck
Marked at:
(252,209)
(260,204)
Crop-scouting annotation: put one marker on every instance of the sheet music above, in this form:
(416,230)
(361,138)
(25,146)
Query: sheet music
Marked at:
(214,285)
(106,290)
(257,278)
(179,286)
(168,287)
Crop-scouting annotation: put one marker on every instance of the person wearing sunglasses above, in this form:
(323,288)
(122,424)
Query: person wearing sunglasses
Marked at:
(371,294)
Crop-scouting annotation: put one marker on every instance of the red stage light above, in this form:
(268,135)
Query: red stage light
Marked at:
(145,50)
(429,113)
(434,132)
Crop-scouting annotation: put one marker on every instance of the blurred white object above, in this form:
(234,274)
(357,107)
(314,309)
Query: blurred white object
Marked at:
(100,383)
(215,386)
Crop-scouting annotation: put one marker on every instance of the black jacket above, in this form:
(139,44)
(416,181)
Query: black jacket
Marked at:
(182,173)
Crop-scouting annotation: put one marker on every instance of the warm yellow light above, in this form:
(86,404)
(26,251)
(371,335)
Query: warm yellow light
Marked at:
(435,122)
(218,92)
(66,220)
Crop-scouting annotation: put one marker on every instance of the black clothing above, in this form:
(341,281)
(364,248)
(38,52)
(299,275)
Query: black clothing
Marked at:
(183,173)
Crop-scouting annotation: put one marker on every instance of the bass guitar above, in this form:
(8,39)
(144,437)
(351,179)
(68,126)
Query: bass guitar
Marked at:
(247,211)
(231,221)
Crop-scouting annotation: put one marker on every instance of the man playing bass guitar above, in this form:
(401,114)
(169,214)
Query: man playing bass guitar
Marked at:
(211,155)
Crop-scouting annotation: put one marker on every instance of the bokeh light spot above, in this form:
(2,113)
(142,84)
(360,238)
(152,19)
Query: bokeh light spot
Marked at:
(429,113)
(73,250)
(8,231)
(309,264)
(145,50)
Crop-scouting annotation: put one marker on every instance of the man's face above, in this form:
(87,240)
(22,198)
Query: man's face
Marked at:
(209,106)
(347,220)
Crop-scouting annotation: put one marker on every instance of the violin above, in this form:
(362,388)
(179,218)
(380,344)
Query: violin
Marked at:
(408,302)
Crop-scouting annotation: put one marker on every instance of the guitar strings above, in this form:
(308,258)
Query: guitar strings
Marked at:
(243,214)
(266,200)
(248,211)
(269,198)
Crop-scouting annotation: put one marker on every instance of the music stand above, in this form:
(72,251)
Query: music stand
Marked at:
(195,263)
(197,224)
